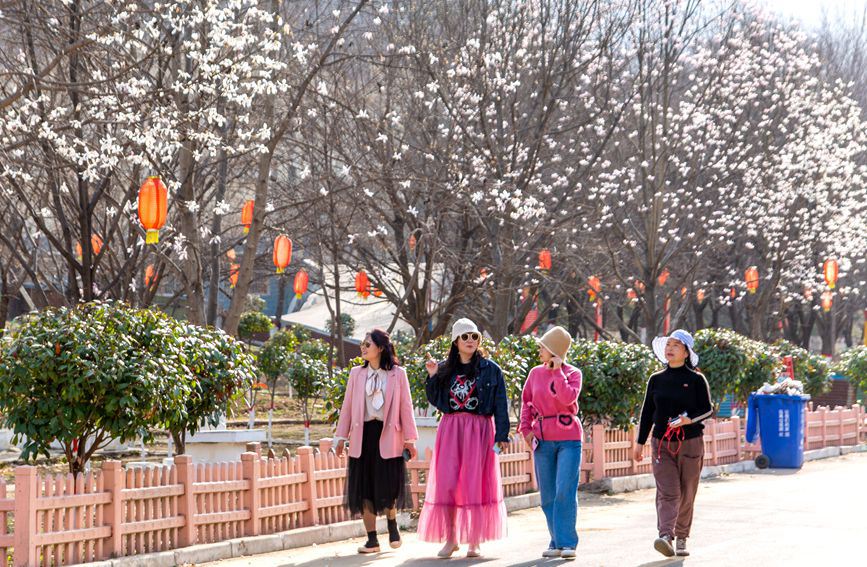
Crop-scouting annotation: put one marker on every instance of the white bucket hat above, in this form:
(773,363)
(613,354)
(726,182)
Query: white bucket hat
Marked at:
(678,335)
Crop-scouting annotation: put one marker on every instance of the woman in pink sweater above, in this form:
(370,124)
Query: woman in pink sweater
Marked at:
(550,424)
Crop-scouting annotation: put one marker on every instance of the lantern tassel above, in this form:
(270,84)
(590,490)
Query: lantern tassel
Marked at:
(246,230)
(297,296)
(152,237)
(279,270)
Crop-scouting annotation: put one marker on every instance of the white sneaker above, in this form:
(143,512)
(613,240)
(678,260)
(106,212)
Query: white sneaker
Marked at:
(663,545)
(567,553)
(680,548)
(551,552)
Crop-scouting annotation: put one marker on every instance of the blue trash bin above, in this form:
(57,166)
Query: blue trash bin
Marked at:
(780,421)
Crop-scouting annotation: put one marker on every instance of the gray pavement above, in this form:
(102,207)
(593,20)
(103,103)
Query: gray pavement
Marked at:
(815,516)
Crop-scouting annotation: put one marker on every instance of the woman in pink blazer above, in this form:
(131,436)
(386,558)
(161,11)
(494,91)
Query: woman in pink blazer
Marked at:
(377,419)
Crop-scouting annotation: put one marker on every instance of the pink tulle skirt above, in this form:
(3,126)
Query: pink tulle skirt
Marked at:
(464,496)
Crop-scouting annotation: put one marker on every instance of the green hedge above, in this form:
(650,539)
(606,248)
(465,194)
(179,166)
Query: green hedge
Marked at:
(616,373)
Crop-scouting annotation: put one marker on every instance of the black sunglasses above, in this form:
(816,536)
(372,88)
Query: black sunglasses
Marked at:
(468,336)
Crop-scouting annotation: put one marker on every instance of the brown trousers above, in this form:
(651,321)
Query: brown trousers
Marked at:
(677,478)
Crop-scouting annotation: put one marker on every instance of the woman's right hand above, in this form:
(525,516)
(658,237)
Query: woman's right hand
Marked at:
(431,365)
(338,449)
(638,453)
(529,439)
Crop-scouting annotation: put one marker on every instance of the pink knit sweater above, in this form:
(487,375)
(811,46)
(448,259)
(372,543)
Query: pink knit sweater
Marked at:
(549,404)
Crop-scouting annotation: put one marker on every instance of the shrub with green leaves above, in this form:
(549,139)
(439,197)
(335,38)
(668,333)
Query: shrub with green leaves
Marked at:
(253,323)
(88,374)
(853,365)
(813,370)
(614,378)
(516,355)
(222,370)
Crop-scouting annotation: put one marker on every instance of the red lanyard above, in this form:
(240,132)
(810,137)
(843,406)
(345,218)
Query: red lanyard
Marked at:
(675,433)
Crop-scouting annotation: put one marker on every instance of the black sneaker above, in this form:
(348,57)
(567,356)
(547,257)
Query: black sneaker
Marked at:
(393,535)
(663,545)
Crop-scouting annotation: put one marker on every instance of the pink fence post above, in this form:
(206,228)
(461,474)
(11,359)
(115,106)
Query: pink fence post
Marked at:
(112,478)
(187,535)
(841,426)
(26,492)
(714,442)
(598,442)
(251,471)
(736,425)
(856,409)
(824,412)
(254,447)
(310,516)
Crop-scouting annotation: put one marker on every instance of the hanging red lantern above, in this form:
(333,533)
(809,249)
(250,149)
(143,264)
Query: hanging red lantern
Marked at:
(230,254)
(152,207)
(631,295)
(683,292)
(751,277)
(639,286)
(362,284)
(545,260)
(699,296)
(831,270)
(412,242)
(733,293)
(377,292)
(827,300)
(301,281)
(234,270)
(150,278)
(663,276)
(95,246)
(282,252)
(247,215)
(595,287)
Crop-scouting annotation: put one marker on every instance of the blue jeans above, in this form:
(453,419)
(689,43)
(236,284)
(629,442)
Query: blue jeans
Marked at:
(558,468)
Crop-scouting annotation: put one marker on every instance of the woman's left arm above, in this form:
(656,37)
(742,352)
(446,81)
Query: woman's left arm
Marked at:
(407,417)
(501,408)
(703,406)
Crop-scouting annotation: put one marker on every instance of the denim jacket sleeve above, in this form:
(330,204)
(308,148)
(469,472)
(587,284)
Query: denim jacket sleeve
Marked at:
(501,407)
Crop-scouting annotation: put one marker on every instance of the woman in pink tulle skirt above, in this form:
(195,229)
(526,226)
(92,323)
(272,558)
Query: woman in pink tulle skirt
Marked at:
(464,499)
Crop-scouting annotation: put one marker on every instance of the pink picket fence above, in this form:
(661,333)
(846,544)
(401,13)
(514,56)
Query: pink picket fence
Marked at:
(57,520)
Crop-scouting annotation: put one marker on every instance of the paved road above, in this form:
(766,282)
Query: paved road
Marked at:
(815,516)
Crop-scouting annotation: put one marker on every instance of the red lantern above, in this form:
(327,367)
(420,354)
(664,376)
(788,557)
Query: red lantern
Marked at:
(230,254)
(595,287)
(152,207)
(301,281)
(831,270)
(827,300)
(234,269)
(247,215)
(663,276)
(733,293)
(545,260)
(150,278)
(377,292)
(639,286)
(412,242)
(699,296)
(631,295)
(683,292)
(282,252)
(362,284)
(95,245)
(751,277)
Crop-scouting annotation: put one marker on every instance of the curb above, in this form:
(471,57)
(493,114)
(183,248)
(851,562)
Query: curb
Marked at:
(314,535)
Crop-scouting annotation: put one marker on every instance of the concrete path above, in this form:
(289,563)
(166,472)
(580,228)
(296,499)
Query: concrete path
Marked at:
(815,516)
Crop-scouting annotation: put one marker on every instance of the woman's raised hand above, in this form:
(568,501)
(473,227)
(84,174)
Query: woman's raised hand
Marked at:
(430,365)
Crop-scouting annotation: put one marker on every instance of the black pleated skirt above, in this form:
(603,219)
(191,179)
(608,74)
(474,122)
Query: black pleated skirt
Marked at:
(373,483)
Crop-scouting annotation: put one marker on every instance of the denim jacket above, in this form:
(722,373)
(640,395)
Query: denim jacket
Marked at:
(492,396)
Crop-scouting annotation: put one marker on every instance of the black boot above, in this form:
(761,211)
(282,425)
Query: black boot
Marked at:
(372,545)
(393,534)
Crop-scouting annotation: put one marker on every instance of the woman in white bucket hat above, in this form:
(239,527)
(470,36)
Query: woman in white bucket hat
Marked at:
(550,424)
(675,404)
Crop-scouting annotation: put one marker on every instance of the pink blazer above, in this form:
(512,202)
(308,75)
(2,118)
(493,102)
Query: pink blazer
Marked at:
(398,419)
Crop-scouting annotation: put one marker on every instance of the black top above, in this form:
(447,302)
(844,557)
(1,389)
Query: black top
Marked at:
(671,392)
(491,393)
(463,396)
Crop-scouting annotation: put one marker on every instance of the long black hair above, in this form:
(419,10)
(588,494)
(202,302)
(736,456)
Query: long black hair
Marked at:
(448,368)
(388,356)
